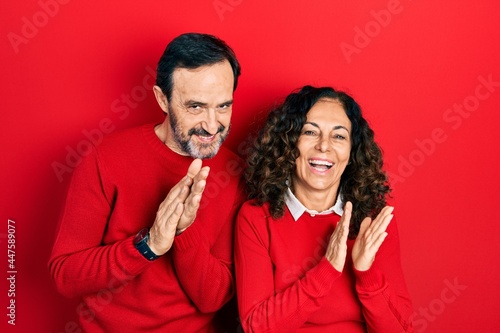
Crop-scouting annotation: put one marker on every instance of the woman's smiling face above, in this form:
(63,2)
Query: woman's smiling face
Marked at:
(324,146)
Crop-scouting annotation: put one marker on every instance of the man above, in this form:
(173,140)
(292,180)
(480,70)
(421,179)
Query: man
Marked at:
(145,237)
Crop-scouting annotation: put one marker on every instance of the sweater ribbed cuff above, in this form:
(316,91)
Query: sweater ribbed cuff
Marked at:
(130,258)
(326,270)
(369,281)
(324,275)
(189,238)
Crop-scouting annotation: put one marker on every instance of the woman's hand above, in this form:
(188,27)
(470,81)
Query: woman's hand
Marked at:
(371,235)
(337,248)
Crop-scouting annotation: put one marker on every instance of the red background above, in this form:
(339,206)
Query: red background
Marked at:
(69,67)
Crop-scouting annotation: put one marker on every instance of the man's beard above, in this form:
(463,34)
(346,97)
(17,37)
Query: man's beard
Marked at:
(196,150)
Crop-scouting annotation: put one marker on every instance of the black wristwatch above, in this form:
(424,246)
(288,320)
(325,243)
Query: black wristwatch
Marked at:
(140,243)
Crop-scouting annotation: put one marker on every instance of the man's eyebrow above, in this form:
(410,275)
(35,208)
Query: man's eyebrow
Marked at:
(228,102)
(335,127)
(193,102)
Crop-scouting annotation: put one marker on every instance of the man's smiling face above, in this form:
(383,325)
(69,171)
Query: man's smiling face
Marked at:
(200,109)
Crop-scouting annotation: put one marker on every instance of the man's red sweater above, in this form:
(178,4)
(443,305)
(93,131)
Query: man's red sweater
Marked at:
(285,284)
(114,193)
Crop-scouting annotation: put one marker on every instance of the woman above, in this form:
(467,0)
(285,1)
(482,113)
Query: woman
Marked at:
(317,249)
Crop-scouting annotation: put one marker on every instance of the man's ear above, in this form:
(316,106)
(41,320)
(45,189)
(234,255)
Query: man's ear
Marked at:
(161,98)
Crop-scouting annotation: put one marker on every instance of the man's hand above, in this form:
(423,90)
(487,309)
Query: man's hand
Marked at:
(178,210)
(192,202)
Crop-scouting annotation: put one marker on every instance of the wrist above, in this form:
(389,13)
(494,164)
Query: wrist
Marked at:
(153,248)
(143,245)
(362,265)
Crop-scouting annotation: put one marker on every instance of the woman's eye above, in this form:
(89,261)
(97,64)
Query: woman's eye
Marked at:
(309,133)
(339,137)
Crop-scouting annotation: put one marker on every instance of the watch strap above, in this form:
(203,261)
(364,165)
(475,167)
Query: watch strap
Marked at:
(142,246)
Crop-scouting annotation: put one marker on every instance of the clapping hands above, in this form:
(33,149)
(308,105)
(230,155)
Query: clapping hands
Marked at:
(178,211)
(370,237)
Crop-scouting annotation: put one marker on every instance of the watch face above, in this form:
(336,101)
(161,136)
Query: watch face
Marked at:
(140,235)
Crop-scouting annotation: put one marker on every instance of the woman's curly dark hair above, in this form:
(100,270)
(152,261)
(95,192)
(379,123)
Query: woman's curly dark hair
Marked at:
(271,161)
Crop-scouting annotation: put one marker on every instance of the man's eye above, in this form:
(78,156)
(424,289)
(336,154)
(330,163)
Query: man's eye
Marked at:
(195,108)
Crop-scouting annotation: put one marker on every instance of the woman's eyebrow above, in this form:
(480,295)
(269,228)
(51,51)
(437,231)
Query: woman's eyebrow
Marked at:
(334,128)
(340,127)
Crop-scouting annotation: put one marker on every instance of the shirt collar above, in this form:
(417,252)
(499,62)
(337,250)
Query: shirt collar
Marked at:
(296,208)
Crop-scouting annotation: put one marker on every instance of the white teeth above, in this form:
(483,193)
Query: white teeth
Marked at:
(317,162)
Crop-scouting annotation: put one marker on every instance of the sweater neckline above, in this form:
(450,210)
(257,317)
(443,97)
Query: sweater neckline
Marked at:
(162,149)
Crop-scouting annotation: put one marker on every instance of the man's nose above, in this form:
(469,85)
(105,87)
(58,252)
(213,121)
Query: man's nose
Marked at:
(210,123)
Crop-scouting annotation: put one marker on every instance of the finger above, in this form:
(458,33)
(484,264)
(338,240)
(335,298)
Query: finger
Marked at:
(188,216)
(345,227)
(174,218)
(374,240)
(340,234)
(387,210)
(347,211)
(192,208)
(374,247)
(364,226)
(196,192)
(382,224)
(166,210)
(161,234)
(192,202)
(194,168)
(199,181)
(178,193)
(336,251)
(345,219)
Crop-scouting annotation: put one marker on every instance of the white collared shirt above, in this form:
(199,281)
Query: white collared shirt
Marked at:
(296,208)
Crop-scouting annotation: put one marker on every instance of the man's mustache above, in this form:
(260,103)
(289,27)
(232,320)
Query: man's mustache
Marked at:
(203,132)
